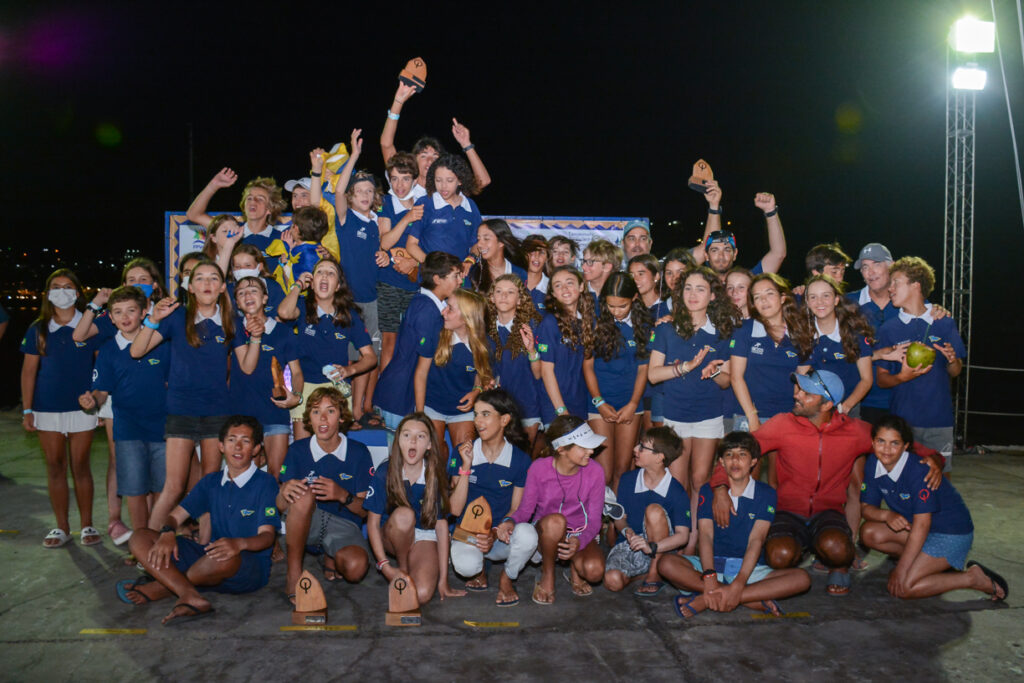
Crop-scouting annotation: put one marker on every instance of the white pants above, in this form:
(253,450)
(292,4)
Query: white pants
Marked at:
(468,561)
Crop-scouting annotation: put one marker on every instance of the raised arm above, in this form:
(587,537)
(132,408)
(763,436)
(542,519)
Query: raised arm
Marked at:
(461,135)
(340,200)
(772,261)
(387,136)
(288,309)
(148,338)
(316,170)
(713,196)
(197,211)
(86,327)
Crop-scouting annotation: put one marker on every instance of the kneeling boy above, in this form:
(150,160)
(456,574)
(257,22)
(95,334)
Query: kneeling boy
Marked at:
(657,515)
(243,520)
(731,568)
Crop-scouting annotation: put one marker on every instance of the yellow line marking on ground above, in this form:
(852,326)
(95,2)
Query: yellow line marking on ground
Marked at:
(112,631)
(333,627)
(491,624)
(788,615)
(9,531)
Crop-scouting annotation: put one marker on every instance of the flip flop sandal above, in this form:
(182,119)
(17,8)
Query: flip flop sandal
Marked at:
(771,607)
(508,603)
(656,585)
(476,588)
(125,585)
(90,532)
(195,613)
(838,584)
(681,603)
(543,594)
(996,580)
(371,421)
(578,588)
(62,537)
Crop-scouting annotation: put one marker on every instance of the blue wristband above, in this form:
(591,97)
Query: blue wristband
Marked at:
(393,117)
(150,324)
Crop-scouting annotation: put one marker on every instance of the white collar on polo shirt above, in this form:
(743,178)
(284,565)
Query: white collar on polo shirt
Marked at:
(833,335)
(440,303)
(340,452)
(710,328)
(266,232)
(215,317)
(747,493)
(543,284)
(508,325)
(460,340)
(242,479)
(504,458)
(121,341)
(926,316)
(865,296)
(422,479)
(372,218)
(661,489)
(53,326)
(321,312)
(897,469)
(757,329)
(440,203)
(628,321)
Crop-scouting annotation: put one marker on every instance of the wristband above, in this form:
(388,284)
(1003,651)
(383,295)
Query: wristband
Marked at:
(465,473)
(654,548)
(598,401)
(150,324)
(165,528)
(393,116)
(94,307)
(560,410)
(27,411)
(295,284)
(769,214)
(507,519)
(380,565)
(468,147)
(314,175)
(298,396)
(477,387)
(716,212)
(348,500)
(533,357)
(708,573)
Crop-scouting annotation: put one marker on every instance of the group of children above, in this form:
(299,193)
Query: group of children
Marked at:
(563,396)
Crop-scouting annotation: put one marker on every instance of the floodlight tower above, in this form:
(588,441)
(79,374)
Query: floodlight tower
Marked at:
(968,38)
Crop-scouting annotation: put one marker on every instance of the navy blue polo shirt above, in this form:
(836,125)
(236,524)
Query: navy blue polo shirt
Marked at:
(251,394)
(260,241)
(326,342)
(349,466)
(768,368)
(635,496)
(198,382)
(275,295)
(447,228)
(417,338)
(377,498)
(496,481)
(238,508)
(757,502)
(447,384)
(539,293)
(829,354)
(65,367)
(105,327)
(568,362)
(393,210)
(877,397)
(906,494)
(617,377)
(515,375)
(138,387)
(925,401)
(690,398)
(359,242)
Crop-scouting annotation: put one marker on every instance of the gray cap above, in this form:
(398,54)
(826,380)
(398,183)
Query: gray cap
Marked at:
(873,252)
(301,182)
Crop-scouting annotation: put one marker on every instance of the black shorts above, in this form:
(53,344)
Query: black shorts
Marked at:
(193,427)
(806,530)
(391,304)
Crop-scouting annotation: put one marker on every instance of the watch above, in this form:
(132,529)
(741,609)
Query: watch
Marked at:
(654,548)
(298,396)
(349,499)
(165,528)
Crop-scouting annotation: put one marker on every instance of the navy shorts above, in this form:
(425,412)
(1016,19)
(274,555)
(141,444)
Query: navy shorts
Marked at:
(252,574)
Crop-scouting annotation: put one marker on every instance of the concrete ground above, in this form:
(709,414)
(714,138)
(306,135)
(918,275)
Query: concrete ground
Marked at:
(49,599)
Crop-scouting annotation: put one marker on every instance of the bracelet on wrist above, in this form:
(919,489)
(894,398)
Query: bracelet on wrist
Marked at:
(654,548)
(716,212)
(560,410)
(165,528)
(708,573)
(393,116)
(769,214)
(598,401)
(380,565)
(315,175)
(507,519)
(533,357)
(94,307)
(150,324)
(465,473)
(478,387)
(27,411)
(468,147)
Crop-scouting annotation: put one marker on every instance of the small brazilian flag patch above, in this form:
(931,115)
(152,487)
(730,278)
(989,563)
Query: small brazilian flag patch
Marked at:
(270,512)
(771,509)
(283,468)
(652,337)
(543,348)
(732,343)
(423,340)
(863,486)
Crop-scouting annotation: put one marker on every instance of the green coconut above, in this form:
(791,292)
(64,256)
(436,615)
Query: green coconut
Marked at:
(919,355)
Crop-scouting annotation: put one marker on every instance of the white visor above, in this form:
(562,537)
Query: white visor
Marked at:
(582,435)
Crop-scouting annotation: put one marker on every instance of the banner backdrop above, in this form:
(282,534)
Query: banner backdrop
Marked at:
(182,237)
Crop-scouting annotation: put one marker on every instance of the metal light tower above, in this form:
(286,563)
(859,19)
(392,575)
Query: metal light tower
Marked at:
(968,37)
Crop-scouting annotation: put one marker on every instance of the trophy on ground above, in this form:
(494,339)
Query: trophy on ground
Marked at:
(403,605)
(310,603)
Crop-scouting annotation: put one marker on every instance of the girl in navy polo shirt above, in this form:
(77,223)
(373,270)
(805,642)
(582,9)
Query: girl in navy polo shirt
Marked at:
(222,235)
(185,265)
(929,531)
(252,383)
(616,374)
(450,217)
(737,284)
(407,506)
(535,247)
(500,253)
(332,321)
(56,371)
(511,319)
(447,385)
(247,261)
(565,337)
(200,336)
(766,349)
(646,272)
(678,262)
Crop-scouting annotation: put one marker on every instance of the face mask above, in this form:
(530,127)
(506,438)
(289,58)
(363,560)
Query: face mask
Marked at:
(240,273)
(62,298)
(184,283)
(146,289)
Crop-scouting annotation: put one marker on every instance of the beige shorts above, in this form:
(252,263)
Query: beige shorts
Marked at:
(70,422)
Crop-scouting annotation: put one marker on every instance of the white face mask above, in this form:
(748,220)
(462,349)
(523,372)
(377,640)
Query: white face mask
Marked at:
(62,298)
(240,273)
(184,283)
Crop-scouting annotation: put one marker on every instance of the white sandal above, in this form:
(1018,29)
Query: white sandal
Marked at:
(58,534)
(91,531)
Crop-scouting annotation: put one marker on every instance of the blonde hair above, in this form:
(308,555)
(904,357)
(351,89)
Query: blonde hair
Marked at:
(472,306)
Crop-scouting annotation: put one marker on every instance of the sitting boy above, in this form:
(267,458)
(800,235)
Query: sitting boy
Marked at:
(655,505)
(324,480)
(243,520)
(295,251)
(731,569)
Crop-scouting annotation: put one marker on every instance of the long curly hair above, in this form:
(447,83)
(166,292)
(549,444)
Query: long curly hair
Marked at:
(227,311)
(526,314)
(472,306)
(344,301)
(46,309)
(457,165)
(503,402)
(722,313)
(851,322)
(435,496)
(798,327)
(607,338)
(480,275)
(578,333)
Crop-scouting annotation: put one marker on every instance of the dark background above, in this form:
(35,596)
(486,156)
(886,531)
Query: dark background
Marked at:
(837,108)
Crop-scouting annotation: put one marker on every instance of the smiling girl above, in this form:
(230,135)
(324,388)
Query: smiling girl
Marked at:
(565,337)
(536,249)
(500,253)
(450,218)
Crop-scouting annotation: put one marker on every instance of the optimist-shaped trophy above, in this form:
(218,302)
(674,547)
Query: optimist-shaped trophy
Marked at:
(477,520)
(414,74)
(280,392)
(310,603)
(400,252)
(403,605)
(701,172)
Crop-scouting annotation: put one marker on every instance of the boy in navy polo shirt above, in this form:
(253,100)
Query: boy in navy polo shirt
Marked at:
(140,387)
(243,520)
(417,337)
(921,395)
(730,569)
(324,480)
(657,514)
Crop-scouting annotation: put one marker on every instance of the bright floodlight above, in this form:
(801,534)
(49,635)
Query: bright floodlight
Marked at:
(969,78)
(973,35)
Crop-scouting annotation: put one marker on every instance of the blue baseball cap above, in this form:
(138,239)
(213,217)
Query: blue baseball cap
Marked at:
(821,382)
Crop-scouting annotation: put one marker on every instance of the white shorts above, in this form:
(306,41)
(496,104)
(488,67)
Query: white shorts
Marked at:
(713,428)
(528,422)
(106,410)
(70,422)
(425,535)
(447,419)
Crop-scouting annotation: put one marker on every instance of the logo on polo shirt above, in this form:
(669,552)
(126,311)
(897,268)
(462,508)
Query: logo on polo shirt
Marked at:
(933,338)
(310,330)
(154,361)
(283,468)
(863,486)
(750,514)
(904,496)
(652,337)
(80,344)
(220,339)
(504,482)
(361,233)
(344,476)
(884,491)
(270,511)
(790,354)
(630,342)
(95,374)
(423,340)
(369,493)
(923,495)
(771,509)
(247,513)
(264,347)
(732,342)
(756,348)
(839,356)
(470,368)
(339,336)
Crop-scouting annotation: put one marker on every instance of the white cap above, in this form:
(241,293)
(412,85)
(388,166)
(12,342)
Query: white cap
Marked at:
(292,184)
(582,435)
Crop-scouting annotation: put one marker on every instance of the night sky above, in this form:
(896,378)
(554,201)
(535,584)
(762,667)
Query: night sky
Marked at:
(837,108)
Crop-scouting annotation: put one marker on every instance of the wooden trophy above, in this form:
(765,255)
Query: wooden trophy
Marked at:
(403,605)
(280,392)
(400,252)
(477,520)
(701,172)
(310,603)
(414,74)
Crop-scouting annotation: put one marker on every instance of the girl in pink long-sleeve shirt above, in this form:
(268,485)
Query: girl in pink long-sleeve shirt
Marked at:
(564,497)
